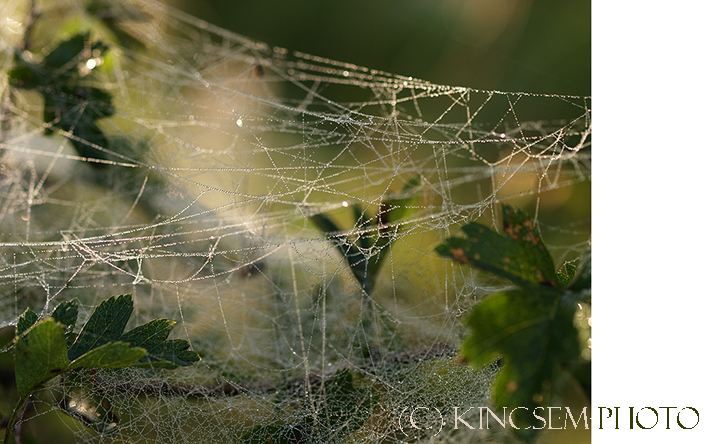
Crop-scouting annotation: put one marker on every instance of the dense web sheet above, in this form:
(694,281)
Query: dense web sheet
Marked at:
(217,155)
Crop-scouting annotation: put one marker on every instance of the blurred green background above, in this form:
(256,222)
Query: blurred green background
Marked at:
(539,46)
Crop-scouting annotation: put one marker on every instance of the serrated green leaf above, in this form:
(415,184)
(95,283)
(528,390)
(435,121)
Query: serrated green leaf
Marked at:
(25,321)
(160,352)
(40,355)
(534,332)
(520,256)
(566,273)
(531,328)
(150,336)
(172,354)
(66,313)
(177,352)
(105,325)
(493,253)
(518,226)
(582,281)
(110,355)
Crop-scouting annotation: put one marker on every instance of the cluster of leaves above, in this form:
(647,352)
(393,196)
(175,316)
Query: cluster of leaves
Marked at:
(365,254)
(46,348)
(531,326)
(72,101)
(343,409)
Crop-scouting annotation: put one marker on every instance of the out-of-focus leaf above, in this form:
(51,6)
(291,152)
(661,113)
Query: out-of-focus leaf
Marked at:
(364,238)
(396,209)
(353,255)
(348,407)
(325,224)
(40,355)
(71,103)
(345,409)
(277,434)
(24,74)
(67,52)
(366,253)
(103,11)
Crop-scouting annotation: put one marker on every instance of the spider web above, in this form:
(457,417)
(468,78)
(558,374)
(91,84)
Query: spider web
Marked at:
(220,152)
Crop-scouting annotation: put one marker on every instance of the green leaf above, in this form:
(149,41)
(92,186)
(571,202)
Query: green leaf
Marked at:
(66,52)
(364,238)
(582,281)
(396,209)
(25,321)
(532,327)
(345,409)
(365,254)
(325,224)
(518,226)
(104,11)
(534,332)
(24,74)
(277,434)
(566,273)
(520,256)
(353,255)
(40,355)
(66,313)
(105,325)
(110,355)
(71,103)
(172,354)
(160,352)
(150,336)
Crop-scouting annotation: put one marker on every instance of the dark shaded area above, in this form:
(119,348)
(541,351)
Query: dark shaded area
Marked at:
(541,46)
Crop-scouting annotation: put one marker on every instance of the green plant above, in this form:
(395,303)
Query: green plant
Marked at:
(366,252)
(344,407)
(530,326)
(72,101)
(47,348)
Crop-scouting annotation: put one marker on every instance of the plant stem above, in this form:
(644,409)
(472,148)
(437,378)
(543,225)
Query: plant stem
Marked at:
(17,414)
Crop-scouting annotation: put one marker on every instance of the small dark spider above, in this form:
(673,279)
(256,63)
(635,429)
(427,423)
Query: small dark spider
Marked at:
(258,70)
